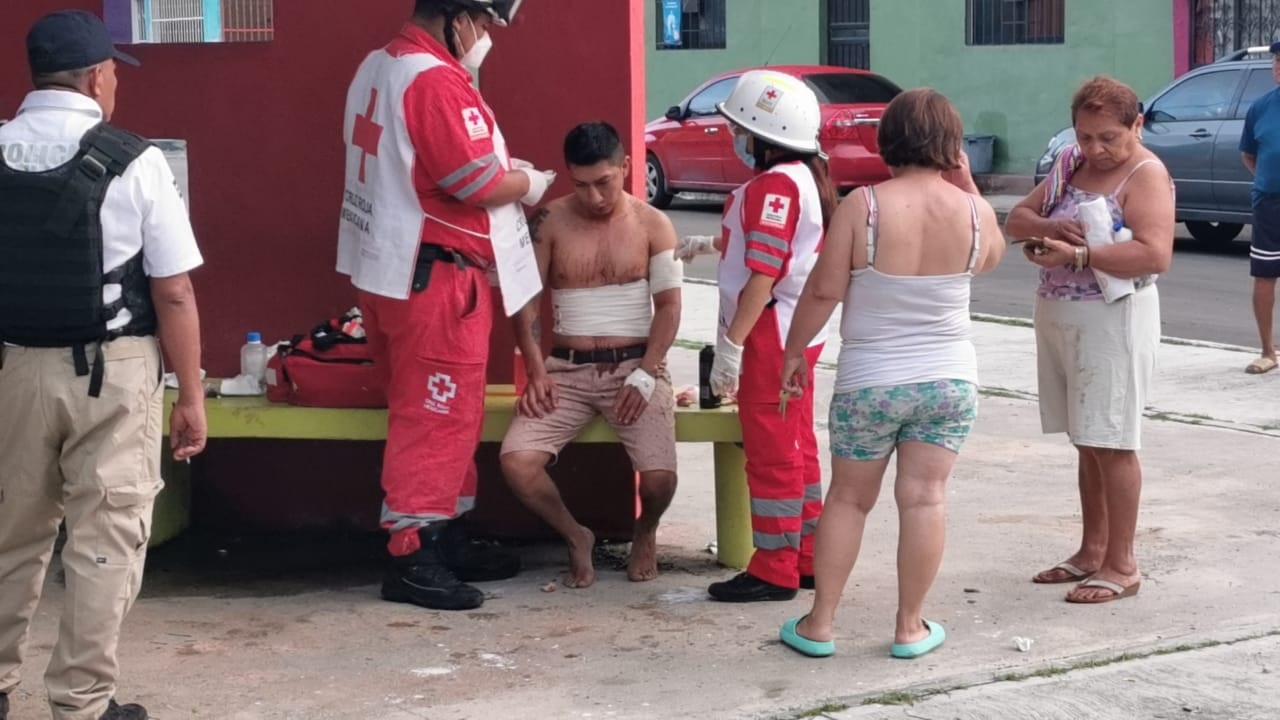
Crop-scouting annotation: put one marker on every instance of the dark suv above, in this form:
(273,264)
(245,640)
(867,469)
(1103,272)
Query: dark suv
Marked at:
(1194,126)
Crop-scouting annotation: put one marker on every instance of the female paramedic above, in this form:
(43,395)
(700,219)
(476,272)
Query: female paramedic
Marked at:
(773,227)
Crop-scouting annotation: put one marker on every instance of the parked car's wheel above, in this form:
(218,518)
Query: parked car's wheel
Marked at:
(1214,233)
(655,183)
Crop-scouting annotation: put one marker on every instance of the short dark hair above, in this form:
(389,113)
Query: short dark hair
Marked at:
(921,127)
(591,143)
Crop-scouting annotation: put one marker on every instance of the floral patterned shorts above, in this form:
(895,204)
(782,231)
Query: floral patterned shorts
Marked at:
(868,424)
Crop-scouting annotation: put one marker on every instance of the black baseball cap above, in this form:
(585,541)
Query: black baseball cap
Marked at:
(1275,48)
(71,40)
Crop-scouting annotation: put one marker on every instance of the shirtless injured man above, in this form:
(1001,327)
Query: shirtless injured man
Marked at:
(608,260)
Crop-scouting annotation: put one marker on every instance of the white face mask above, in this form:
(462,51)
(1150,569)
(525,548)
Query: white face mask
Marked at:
(473,58)
(747,157)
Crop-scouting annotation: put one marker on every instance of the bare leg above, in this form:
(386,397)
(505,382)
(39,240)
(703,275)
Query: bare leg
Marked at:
(1264,300)
(855,485)
(1093,510)
(527,476)
(656,490)
(920,492)
(1121,481)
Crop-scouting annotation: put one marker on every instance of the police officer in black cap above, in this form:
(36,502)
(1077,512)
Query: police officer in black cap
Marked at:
(95,250)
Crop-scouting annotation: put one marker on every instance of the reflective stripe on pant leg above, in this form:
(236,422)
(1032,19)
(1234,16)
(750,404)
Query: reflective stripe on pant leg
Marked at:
(775,480)
(812,469)
(437,344)
(775,469)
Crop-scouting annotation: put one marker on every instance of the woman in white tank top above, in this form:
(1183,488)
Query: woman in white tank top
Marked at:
(900,256)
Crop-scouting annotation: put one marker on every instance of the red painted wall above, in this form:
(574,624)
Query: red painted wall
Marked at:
(263,122)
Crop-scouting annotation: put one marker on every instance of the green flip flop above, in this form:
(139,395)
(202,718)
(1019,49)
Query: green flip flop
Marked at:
(914,650)
(802,644)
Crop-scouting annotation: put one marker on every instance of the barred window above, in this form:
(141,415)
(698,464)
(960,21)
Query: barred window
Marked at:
(690,24)
(1014,22)
(248,20)
(190,21)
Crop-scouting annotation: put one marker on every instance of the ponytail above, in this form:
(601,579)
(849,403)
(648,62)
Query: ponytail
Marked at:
(827,194)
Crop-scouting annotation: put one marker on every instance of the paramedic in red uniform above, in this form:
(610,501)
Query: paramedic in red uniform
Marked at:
(430,191)
(773,227)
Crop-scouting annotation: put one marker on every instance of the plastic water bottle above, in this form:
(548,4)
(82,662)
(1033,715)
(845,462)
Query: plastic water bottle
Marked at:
(1121,233)
(253,358)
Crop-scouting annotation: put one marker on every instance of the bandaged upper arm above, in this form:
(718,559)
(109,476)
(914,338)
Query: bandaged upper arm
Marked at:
(665,272)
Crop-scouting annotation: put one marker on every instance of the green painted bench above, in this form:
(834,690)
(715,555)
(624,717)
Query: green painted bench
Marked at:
(255,417)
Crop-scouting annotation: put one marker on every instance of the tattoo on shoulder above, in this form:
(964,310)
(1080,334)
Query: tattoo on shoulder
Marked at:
(535,223)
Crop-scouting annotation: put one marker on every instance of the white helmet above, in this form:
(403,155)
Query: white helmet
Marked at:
(775,107)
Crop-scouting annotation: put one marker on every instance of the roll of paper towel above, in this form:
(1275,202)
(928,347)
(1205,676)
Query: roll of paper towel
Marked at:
(1099,230)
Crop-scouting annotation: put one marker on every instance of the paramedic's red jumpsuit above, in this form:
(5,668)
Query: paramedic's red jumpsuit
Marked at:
(765,233)
(435,345)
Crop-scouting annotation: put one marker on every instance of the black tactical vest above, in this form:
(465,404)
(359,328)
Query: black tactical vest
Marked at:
(51,277)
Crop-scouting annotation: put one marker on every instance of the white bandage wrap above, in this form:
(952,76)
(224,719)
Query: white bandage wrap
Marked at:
(642,381)
(665,272)
(606,311)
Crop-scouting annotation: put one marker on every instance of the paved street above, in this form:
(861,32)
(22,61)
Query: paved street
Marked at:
(1205,296)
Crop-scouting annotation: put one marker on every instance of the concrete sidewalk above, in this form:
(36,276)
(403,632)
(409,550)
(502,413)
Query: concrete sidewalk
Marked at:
(306,637)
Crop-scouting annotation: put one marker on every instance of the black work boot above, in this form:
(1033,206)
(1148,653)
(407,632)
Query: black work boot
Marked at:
(132,711)
(422,578)
(745,587)
(474,560)
(4,706)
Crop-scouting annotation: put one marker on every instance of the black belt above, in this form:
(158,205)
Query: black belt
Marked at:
(429,255)
(611,356)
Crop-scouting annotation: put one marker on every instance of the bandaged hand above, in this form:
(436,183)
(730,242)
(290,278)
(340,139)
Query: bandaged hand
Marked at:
(727,367)
(539,181)
(691,246)
(642,381)
(634,396)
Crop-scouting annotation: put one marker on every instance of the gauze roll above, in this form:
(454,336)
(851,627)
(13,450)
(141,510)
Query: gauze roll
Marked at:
(1099,230)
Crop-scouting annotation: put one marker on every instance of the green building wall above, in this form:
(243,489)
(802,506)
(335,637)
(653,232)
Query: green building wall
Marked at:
(1021,93)
(754,28)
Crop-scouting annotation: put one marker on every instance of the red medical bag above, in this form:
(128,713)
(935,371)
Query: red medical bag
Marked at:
(331,367)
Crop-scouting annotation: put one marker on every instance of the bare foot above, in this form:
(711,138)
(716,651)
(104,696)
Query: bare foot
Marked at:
(643,563)
(581,572)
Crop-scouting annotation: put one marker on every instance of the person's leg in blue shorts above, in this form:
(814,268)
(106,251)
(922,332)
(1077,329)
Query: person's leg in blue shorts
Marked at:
(1264,266)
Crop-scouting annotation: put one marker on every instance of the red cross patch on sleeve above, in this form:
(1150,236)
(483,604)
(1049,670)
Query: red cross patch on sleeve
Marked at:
(777,208)
(474,122)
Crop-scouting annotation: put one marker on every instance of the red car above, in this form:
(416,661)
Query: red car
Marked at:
(691,149)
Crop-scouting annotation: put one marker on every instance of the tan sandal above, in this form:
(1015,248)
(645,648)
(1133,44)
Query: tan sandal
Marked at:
(1261,365)
(1118,591)
(1073,574)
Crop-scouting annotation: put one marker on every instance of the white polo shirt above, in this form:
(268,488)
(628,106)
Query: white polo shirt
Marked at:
(142,210)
